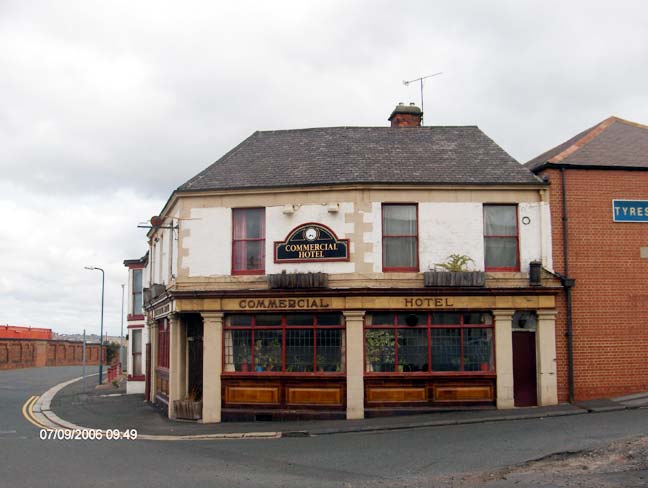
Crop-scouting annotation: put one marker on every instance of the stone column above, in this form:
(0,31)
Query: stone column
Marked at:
(212,366)
(177,362)
(355,364)
(546,358)
(504,357)
(151,325)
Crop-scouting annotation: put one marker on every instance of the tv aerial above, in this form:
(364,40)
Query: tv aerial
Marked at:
(420,80)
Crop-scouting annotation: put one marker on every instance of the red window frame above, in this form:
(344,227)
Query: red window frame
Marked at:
(414,268)
(516,236)
(428,326)
(283,328)
(164,339)
(242,211)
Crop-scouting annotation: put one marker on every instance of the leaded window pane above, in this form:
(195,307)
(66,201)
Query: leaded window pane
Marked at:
(412,350)
(299,350)
(446,350)
(478,349)
(330,350)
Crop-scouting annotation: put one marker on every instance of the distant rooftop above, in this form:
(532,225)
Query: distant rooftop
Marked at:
(614,143)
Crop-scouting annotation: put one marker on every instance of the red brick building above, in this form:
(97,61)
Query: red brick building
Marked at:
(599,218)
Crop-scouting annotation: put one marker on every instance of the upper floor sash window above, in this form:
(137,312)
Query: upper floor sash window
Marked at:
(400,237)
(137,292)
(248,243)
(501,238)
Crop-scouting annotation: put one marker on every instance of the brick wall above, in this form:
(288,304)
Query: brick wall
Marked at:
(33,353)
(610,299)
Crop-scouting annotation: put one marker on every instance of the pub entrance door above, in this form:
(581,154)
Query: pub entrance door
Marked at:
(195,355)
(525,391)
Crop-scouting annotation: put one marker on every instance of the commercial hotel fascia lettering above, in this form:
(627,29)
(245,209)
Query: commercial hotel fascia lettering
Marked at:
(379,328)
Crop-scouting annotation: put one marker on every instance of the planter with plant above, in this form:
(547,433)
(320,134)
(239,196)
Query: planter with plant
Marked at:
(191,407)
(454,272)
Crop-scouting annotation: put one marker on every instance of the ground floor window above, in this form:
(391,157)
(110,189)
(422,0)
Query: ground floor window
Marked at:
(429,342)
(163,343)
(285,343)
(136,351)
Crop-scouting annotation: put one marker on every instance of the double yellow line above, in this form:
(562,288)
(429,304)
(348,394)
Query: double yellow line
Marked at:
(29,414)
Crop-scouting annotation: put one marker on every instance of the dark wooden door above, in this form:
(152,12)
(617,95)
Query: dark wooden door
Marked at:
(195,354)
(524,369)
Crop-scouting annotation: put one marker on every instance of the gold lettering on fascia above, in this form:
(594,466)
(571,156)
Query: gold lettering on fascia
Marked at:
(281,303)
(432,302)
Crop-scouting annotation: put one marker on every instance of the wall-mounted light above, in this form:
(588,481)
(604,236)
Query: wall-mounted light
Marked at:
(333,207)
(288,209)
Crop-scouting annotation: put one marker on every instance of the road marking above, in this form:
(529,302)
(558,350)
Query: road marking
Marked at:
(28,414)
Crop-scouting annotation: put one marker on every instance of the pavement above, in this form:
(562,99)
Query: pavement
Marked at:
(441,456)
(81,404)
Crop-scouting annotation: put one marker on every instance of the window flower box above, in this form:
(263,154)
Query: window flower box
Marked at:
(454,278)
(188,409)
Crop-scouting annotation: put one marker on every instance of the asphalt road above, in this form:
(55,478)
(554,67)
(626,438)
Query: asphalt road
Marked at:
(420,457)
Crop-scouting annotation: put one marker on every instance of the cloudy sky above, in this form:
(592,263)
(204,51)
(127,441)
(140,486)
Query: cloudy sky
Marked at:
(107,106)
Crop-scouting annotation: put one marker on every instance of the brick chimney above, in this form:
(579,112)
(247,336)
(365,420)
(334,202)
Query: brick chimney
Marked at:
(406,116)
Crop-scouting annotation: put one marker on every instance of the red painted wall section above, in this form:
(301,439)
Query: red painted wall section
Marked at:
(16,332)
(610,299)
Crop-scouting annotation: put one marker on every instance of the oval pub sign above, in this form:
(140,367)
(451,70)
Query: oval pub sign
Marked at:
(311,242)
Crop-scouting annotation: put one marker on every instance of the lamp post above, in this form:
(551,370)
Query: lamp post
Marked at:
(103,275)
(121,332)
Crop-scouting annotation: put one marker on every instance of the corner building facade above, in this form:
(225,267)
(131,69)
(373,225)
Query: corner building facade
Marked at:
(299,277)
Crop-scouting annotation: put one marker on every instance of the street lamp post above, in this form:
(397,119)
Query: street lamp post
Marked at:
(103,275)
(121,332)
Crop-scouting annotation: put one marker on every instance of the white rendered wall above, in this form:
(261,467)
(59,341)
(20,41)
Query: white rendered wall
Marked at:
(444,228)
(209,242)
(278,225)
(530,234)
(547,251)
(450,228)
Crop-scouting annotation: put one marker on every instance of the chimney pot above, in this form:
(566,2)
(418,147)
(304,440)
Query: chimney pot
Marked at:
(406,116)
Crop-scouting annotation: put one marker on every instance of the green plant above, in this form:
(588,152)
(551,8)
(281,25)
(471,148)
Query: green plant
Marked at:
(456,263)
(115,383)
(379,348)
(267,355)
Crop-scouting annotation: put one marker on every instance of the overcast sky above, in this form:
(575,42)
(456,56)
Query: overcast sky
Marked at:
(107,106)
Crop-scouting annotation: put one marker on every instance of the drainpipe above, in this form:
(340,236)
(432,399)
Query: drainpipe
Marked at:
(567,283)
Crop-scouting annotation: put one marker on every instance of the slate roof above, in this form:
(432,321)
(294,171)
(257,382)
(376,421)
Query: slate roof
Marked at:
(365,155)
(614,143)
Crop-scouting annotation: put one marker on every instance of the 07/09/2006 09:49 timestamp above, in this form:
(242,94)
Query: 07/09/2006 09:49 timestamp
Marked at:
(88,434)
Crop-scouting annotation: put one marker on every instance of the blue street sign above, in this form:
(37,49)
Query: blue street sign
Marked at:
(630,210)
